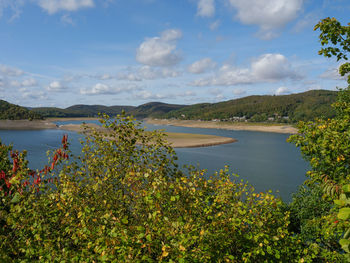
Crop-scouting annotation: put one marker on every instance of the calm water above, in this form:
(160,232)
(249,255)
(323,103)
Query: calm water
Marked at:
(265,160)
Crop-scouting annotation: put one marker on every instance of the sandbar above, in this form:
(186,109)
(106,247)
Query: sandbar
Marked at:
(176,140)
(277,128)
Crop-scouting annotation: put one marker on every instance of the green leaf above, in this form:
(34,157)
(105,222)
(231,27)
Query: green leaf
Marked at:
(16,198)
(344,213)
(346,188)
(345,244)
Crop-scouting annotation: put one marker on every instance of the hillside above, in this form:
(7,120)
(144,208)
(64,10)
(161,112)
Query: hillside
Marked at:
(286,108)
(152,109)
(11,111)
(81,110)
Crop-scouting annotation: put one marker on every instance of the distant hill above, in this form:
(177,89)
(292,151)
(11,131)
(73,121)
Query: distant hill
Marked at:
(152,109)
(81,111)
(11,111)
(286,108)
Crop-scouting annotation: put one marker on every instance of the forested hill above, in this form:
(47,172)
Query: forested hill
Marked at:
(152,109)
(14,112)
(289,108)
(81,110)
(286,108)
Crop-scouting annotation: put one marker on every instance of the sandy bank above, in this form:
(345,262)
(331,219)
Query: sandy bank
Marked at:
(73,119)
(177,140)
(225,125)
(26,125)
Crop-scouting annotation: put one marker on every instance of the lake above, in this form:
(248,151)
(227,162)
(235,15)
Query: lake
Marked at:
(265,160)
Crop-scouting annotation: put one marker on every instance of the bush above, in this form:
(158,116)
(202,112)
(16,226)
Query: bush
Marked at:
(124,200)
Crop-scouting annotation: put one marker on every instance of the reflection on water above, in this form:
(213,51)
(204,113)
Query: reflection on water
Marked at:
(266,160)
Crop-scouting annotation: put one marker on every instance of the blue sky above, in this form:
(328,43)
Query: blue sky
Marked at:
(129,52)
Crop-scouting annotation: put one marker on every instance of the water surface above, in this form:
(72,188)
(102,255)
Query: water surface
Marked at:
(266,160)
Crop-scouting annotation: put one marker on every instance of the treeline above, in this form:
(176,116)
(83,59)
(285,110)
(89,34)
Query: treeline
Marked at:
(10,111)
(152,109)
(287,108)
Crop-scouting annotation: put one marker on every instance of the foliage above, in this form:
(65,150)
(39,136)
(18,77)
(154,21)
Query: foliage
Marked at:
(124,200)
(304,106)
(338,37)
(313,219)
(14,112)
(298,107)
(152,109)
(326,143)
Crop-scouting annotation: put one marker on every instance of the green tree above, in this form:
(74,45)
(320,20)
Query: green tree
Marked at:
(326,143)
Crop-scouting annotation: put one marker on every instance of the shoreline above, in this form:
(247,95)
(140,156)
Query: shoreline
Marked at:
(176,140)
(285,129)
(26,125)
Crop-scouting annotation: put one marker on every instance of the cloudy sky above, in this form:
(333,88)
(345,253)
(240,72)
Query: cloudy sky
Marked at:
(129,52)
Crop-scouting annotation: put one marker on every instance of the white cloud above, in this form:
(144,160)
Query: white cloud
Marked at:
(56,86)
(146,95)
(147,72)
(201,66)
(25,83)
(29,82)
(267,68)
(268,15)
(10,71)
(171,35)
(160,51)
(206,8)
(214,25)
(103,89)
(282,91)
(37,95)
(273,67)
(54,6)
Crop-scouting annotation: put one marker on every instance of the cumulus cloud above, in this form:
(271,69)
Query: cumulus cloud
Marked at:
(54,6)
(148,72)
(272,67)
(29,82)
(10,71)
(30,94)
(56,86)
(103,89)
(268,15)
(267,68)
(160,51)
(25,83)
(146,95)
(201,66)
(206,8)
(282,91)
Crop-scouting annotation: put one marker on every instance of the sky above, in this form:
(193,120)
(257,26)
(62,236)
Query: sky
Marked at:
(60,53)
